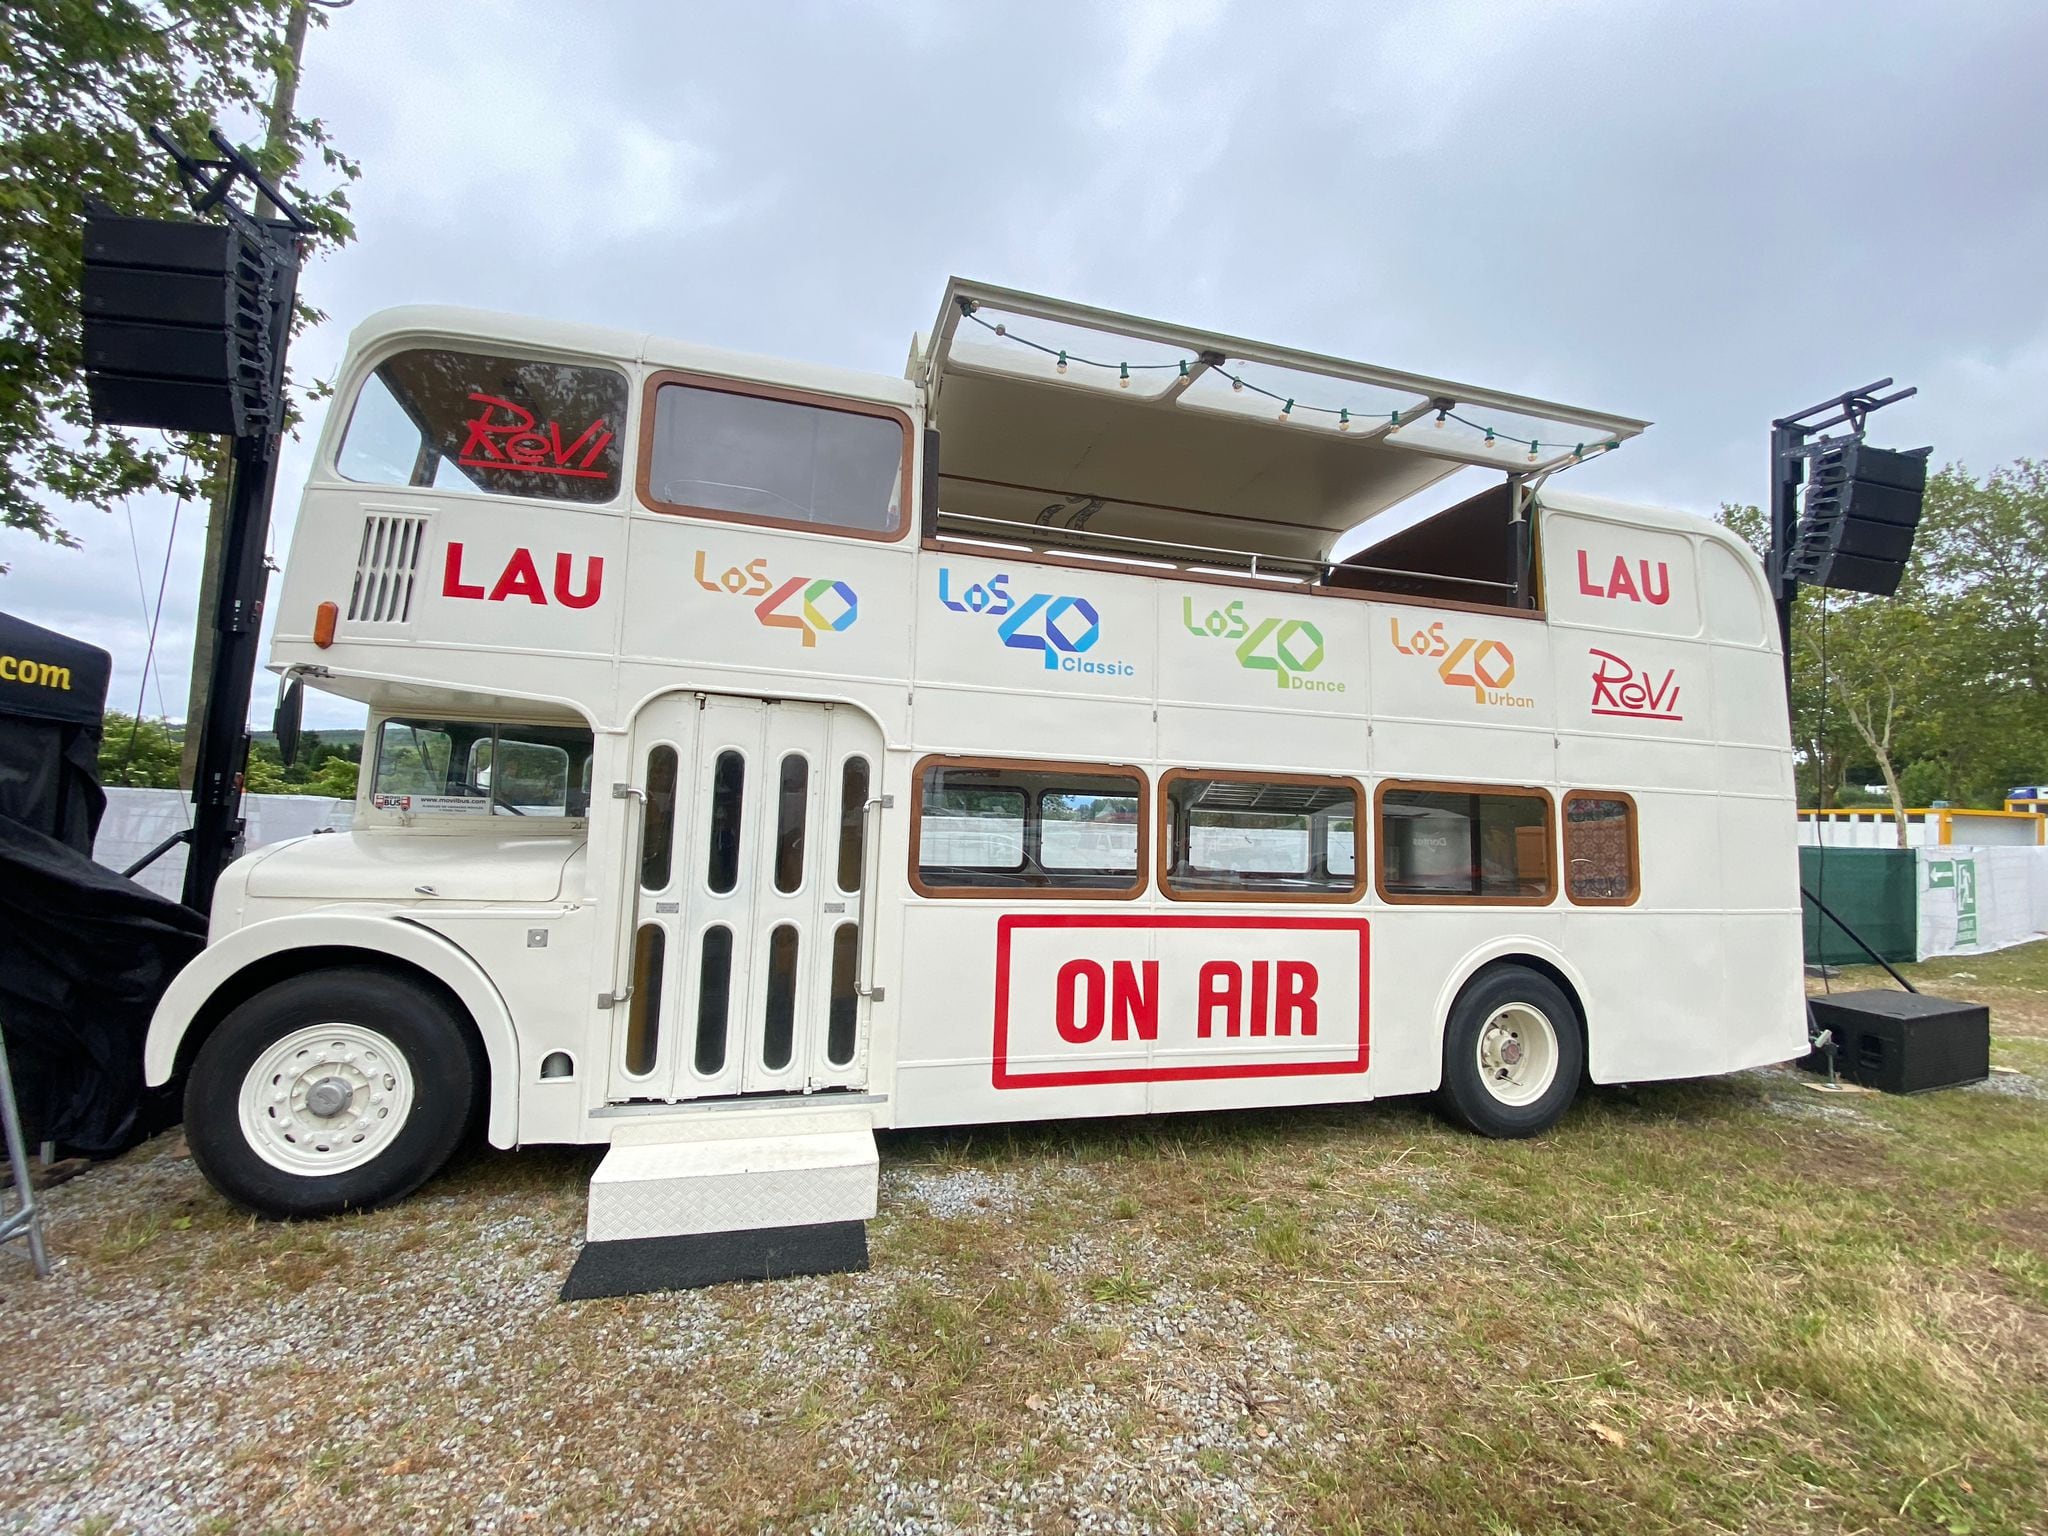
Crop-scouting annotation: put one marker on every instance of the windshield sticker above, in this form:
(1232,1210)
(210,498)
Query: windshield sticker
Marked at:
(503,435)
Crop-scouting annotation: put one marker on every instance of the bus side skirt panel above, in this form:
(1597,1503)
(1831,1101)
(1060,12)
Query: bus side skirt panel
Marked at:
(375,934)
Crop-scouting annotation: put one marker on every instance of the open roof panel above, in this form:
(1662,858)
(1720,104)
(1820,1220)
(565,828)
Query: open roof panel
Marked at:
(1098,429)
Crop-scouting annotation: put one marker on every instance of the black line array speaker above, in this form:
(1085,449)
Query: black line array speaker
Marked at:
(1862,509)
(179,320)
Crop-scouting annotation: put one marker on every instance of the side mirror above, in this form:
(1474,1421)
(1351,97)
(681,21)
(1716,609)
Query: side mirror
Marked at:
(291,704)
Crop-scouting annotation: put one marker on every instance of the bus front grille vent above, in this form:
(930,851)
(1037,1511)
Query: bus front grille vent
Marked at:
(386,567)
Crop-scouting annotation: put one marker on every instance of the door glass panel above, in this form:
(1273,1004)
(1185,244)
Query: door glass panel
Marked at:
(714,986)
(778,1020)
(853,822)
(657,838)
(643,1027)
(728,779)
(789,823)
(839,1024)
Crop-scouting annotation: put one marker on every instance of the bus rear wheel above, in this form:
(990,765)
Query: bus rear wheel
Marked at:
(1513,1054)
(337,1090)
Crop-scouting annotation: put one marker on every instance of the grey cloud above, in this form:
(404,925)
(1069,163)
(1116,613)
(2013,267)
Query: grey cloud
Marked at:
(1703,214)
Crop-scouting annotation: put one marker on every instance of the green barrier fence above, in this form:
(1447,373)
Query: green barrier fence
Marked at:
(1873,890)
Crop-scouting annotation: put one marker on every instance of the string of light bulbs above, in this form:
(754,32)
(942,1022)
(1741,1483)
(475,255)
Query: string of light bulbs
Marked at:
(1289,406)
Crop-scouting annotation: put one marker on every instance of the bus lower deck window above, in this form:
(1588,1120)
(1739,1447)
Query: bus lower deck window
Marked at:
(1600,857)
(983,826)
(1287,835)
(1444,842)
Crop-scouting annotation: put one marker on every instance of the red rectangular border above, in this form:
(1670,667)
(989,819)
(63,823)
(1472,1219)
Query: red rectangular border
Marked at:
(1005,925)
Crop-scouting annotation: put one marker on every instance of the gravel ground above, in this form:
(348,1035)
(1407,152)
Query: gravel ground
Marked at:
(187,1369)
(1235,1323)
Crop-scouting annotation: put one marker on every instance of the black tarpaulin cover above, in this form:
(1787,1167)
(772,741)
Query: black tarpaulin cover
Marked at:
(84,956)
(53,694)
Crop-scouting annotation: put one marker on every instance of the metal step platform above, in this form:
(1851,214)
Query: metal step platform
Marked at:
(701,1198)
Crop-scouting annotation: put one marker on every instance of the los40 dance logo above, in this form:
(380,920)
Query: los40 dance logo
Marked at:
(1060,628)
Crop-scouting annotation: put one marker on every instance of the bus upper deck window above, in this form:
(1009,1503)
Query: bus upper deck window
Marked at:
(759,458)
(468,421)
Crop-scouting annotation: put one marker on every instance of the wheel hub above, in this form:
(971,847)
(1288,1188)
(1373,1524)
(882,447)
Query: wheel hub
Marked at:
(326,1098)
(1517,1054)
(329,1097)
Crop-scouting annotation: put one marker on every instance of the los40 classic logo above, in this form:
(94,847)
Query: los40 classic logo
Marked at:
(1059,628)
(810,605)
(1288,648)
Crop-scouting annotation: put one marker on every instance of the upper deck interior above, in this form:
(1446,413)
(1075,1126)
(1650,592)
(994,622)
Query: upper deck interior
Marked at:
(1070,430)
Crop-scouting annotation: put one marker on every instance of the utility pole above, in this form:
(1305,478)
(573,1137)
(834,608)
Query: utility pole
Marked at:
(277,137)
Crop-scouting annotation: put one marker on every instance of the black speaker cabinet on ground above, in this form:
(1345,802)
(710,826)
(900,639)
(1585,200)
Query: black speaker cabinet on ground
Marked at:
(177,320)
(1903,1042)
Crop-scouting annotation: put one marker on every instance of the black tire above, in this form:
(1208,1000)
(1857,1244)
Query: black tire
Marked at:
(440,1055)
(1465,1095)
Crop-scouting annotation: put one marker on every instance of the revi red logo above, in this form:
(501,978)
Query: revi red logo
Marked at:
(1620,689)
(503,435)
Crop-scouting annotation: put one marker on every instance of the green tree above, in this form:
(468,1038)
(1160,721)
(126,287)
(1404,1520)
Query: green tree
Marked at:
(84,80)
(139,753)
(1942,690)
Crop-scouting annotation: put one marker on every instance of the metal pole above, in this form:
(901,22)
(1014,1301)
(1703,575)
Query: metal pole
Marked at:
(27,1216)
(238,616)
(1786,472)
(277,138)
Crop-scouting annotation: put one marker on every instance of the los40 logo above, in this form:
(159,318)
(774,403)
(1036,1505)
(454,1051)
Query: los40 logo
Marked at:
(1288,648)
(812,606)
(1058,628)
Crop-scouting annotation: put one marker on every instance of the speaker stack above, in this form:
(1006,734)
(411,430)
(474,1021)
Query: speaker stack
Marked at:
(178,321)
(1862,508)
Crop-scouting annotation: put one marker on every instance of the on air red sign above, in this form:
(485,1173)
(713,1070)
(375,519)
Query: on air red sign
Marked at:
(1176,998)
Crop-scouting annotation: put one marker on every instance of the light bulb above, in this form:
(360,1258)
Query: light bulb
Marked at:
(1286,410)
(1236,382)
(1001,329)
(1123,375)
(1489,437)
(1532,450)
(1439,420)
(1343,421)
(1061,365)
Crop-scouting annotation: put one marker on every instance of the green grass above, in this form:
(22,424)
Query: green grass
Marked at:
(1739,1304)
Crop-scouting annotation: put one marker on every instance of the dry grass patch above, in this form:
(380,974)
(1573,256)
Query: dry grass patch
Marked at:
(1734,1305)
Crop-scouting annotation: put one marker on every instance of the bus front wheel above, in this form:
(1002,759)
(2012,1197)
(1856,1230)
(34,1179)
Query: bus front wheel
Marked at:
(336,1090)
(1513,1054)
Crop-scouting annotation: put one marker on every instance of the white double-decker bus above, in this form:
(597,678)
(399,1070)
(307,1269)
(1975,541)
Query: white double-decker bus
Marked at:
(764,754)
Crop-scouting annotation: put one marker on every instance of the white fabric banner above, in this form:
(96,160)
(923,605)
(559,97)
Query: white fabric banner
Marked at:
(138,819)
(1975,900)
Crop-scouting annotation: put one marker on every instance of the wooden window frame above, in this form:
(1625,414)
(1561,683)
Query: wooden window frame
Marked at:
(1635,847)
(1139,870)
(1448,787)
(644,461)
(1359,800)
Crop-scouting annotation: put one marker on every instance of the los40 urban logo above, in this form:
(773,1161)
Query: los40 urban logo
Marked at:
(1288,648)
(812,606)
(1059,628)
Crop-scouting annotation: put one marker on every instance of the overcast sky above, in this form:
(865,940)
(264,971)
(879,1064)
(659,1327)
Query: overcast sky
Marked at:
(1704,214)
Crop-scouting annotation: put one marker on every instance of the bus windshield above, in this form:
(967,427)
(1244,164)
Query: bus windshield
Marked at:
(480,768)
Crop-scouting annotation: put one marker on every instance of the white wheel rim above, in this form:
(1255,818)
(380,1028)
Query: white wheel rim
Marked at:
(1517,1054)
(326,1099)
